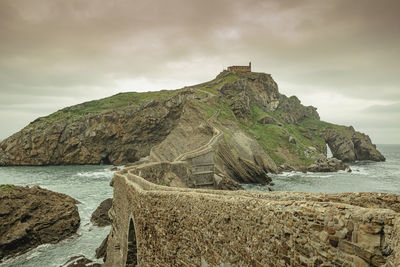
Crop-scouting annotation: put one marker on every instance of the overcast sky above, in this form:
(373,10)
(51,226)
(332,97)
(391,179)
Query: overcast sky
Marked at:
(340,56)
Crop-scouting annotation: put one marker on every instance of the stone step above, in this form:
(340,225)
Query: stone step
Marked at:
(202,173)
(202,169)
(204,164)
(205,184)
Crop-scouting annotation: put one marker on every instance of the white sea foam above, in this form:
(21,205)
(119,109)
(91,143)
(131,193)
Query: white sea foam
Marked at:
(89,185)
(95,174)
(289,174)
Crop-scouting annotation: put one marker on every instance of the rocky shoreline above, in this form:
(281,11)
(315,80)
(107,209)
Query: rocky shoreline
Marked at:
(31,216)
(261,129)
(232,130)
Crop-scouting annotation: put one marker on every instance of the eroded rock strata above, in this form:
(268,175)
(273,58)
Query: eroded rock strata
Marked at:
(116,136)
(34,216)
(350,145)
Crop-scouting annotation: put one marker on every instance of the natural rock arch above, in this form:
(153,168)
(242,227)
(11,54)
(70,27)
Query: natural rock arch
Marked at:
(131,255)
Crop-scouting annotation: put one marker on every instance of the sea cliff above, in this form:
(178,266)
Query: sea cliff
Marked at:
(251,128)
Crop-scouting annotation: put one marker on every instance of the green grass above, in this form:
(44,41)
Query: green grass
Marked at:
(321,125)
(210,111)
(209,89)
(121,101)
(275,139)
(7,187)
(115,102)
(270,137)
(213,88)
(229,79)
(226,111)
(257,113)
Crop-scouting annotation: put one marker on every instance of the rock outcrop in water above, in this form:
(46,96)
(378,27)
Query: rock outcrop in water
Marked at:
(80,261)
(350,145)
(237,126)
(328,165)
(34,216)
(100,215)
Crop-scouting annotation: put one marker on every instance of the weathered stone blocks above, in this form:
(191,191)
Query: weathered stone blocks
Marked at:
(187,227)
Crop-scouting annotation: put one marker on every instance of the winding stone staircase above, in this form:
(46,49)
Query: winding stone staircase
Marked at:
(202,159)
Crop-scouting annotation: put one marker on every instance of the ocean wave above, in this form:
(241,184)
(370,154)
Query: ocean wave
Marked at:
(360,171)
(289,174)
(96,174)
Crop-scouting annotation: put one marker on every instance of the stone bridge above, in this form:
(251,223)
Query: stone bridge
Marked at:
(155,225)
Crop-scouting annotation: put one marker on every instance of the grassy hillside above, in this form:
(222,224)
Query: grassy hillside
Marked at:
(274,138)
(115,102)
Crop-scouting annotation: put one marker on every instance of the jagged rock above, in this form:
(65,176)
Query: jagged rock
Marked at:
(114,137)
(341,146)
(80,261)
(223,182)
(310,151)
(293,111)
(349,145)
(34,216)
(364,149)
(241,106)
(286,168)
(265,162)
(250,150)
(100,215)
(101,252)
(240,169)
(269,120)
(292,140)
(328,165)
(260,88)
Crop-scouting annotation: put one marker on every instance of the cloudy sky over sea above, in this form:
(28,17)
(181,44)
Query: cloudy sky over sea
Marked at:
(341,56)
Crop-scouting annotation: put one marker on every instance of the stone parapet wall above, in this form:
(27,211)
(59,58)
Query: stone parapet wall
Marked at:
(165,173)
(187,227)
(396,242)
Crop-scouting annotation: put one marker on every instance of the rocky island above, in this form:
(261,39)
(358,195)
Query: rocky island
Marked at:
(234,129)
(178,145)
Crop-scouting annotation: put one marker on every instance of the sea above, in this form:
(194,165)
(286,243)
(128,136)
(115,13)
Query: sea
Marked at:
(90,185)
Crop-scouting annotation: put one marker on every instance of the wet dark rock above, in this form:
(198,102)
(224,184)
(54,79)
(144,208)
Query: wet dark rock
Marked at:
(240,169)
(34,216)
(100,215)
(80,261)
(225,183)
(328,165)
(101,252)
(269,120)
(286,168)
(293,111)
(349,145)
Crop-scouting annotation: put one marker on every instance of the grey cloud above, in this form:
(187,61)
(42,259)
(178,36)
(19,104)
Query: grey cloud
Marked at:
(389,109)
(84,48)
